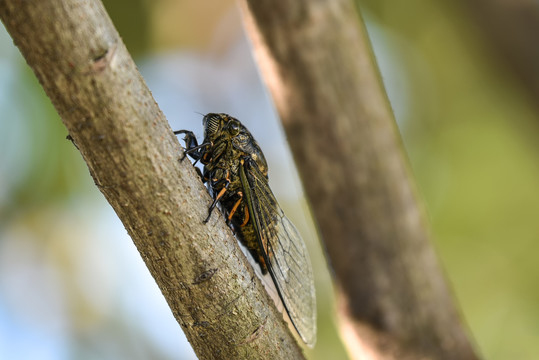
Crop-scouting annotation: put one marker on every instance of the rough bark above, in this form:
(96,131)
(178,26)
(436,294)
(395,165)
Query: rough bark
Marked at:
(394,301)
(133,157)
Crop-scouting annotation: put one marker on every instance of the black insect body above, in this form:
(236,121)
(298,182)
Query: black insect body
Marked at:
(236,173)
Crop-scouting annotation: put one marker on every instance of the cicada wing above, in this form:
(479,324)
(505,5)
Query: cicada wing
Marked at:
(285,252)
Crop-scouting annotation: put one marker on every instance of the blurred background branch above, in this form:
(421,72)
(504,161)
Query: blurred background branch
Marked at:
(393,300)
(510,30)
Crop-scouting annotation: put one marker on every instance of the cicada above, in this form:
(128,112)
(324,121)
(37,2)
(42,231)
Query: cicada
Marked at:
(236,173)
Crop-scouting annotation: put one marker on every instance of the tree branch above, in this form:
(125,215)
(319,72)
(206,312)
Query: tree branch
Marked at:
(133,157)
(317,61)
(510,29)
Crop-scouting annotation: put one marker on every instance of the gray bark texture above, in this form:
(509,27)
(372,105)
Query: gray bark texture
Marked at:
(394,302)
(133,157)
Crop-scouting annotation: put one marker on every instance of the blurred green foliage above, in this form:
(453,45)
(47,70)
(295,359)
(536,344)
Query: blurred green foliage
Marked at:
(44,166)
(131,19)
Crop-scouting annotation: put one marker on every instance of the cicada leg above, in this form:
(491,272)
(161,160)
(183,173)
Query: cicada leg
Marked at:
(220,194)
(235,207)
(191,145)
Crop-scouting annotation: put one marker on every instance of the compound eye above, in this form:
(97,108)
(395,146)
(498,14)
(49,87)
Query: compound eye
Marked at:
(234,127)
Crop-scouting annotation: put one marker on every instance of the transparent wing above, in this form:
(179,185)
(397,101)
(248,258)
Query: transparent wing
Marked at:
(285,253)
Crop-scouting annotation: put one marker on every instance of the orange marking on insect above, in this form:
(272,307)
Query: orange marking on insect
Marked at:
(223,190)
(235,207)
(246,217)
(221,193)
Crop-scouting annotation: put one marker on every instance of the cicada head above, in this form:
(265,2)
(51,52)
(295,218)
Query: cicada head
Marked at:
(213,125)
